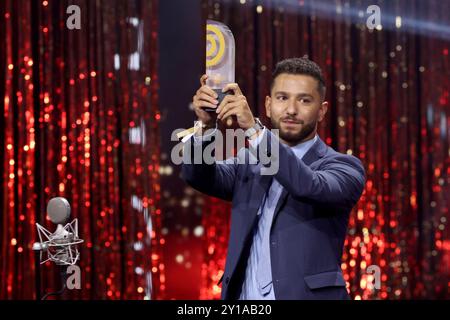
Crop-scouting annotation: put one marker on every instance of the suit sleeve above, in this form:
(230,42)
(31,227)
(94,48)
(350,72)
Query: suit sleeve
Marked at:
(216,179)
(338,181)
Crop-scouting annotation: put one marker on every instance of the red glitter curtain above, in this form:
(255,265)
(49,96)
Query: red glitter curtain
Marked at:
(80,120)
(388,91)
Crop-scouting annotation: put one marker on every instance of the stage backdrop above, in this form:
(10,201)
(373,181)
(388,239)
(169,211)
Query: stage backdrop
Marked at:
(80,120)
(388,91)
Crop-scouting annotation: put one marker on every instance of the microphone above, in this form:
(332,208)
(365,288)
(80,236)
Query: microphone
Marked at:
(61,245)
(58,210)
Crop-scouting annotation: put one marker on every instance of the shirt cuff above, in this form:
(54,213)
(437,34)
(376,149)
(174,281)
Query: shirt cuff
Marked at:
(206,137)
(255,142)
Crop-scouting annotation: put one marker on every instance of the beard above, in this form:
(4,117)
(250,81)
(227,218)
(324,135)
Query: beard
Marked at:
(292,137)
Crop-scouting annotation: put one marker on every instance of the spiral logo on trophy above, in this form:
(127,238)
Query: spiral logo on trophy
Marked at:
(215,45)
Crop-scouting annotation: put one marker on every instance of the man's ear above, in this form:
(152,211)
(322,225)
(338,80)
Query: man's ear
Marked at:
(268,104)
(323,110)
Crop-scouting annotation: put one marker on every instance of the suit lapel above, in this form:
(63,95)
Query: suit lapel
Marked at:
(316,152)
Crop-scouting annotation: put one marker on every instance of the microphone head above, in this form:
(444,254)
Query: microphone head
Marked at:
(58,210)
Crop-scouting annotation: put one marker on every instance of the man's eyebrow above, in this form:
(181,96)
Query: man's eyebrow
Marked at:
(281,92)
(299,95)
(306,95)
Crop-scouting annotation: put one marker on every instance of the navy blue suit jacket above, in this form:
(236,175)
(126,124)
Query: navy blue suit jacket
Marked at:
(310,221)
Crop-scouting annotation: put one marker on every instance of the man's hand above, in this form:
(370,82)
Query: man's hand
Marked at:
(236,105)
(205,97)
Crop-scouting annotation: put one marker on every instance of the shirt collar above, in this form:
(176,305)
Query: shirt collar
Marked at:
(302,148)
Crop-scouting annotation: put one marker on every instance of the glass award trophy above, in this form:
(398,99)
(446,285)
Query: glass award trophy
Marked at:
(220,53)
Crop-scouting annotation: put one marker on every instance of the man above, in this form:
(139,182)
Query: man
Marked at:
(287,229)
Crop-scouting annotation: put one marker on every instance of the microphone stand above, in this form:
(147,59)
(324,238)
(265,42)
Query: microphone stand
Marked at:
(37,274)
(63,277)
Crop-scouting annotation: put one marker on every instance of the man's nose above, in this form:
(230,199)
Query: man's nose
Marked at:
(291,108)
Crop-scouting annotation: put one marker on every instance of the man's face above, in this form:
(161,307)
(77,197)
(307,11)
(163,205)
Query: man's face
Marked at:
(295,107)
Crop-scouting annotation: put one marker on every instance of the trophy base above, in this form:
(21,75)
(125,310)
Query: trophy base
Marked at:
(220,96)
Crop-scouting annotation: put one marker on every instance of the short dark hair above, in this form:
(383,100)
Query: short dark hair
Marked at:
(300,66)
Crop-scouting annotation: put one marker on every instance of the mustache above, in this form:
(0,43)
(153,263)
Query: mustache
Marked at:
(293,120)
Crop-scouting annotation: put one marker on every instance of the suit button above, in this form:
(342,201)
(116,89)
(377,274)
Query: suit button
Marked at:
(227,280)
(274,243)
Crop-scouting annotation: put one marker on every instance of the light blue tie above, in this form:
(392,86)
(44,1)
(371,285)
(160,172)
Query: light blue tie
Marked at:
(263,270)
